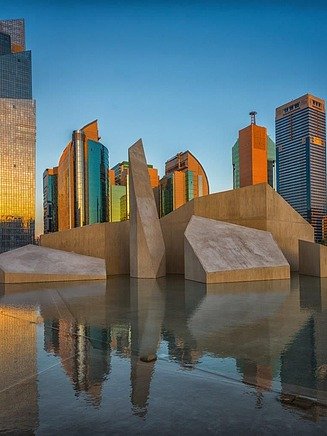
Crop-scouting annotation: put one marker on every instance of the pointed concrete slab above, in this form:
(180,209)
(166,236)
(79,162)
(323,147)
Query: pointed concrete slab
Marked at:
(220,252)
(40,264)
(147,248)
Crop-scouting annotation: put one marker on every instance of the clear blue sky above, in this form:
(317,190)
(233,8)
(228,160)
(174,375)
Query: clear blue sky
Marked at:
(179,74)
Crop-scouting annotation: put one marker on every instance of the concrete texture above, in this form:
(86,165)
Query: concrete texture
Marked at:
(219,252)
(257,206)
(109,241)
(147,248)
(39,264)
(313,259)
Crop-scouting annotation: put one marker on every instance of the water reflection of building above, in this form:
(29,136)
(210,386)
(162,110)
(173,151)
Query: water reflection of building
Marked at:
(18,364)
(304,360)
(250,324)
(84,352)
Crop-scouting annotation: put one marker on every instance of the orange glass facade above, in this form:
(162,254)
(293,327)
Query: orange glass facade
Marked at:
(184,180)
(83,180)
(253,155)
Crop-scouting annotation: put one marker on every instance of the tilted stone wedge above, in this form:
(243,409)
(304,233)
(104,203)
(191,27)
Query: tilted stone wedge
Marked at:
(41,264)
(216,252)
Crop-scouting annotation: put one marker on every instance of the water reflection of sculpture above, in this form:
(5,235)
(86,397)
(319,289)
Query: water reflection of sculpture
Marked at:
(257,326)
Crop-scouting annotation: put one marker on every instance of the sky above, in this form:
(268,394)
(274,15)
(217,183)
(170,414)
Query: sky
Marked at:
(178,74)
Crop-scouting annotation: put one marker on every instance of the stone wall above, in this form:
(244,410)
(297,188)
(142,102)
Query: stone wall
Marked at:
(257,206)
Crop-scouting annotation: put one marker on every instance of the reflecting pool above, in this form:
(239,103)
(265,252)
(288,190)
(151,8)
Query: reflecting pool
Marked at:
(128,356)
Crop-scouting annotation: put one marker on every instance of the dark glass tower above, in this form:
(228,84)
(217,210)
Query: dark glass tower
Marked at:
(301,157)
(50,200)
(17,139)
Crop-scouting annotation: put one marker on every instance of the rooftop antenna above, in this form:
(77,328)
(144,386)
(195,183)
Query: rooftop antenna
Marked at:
(253,114)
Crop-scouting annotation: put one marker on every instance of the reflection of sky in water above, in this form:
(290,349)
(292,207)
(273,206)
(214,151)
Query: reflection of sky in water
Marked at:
(75,352)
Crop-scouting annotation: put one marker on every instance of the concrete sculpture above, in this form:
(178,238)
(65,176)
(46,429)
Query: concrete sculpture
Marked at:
(147,248)
(313,259)
(40,264)
(217,251)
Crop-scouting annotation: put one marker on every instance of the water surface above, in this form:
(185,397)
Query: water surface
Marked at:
(128,356)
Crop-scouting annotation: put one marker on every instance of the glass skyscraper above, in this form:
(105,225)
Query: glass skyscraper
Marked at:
(50,200)
(301,157)
(119,190)
(184,180)
(17,139)
(76,192)
(260,167)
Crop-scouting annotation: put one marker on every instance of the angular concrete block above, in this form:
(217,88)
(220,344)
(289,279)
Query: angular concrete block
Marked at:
(147,248)
(312,259)
(220,252)
(40,264)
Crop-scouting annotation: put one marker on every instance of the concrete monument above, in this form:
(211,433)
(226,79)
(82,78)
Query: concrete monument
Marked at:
(40,264)
(217,251)
(313,259)
(147,248)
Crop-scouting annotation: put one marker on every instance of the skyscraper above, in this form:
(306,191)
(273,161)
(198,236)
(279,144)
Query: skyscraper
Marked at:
(301,157)
(82,181)
(253,156)
(17,139)
(184,180)
(50,200)
(119,189)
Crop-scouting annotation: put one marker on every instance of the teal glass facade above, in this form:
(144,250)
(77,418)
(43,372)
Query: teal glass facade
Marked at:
(50,201)
(189,182)
(97,174)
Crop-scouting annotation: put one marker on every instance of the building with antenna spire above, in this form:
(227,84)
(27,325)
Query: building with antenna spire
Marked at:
(253,156)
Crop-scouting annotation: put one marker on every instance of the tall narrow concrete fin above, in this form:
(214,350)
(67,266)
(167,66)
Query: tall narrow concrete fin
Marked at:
(147,248)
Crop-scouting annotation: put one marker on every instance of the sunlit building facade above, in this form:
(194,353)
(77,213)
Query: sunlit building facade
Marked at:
(301,157)
(253,157)
(17,139)
(119,190)
(50,200)
(83,180)
(184,180)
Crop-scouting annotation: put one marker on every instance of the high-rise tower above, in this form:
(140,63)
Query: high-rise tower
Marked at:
(301,157)
(17,139)
(119,190)
(83,180)
(184,180)
(253,156)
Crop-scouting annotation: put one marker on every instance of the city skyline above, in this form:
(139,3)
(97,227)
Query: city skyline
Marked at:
(182,90)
